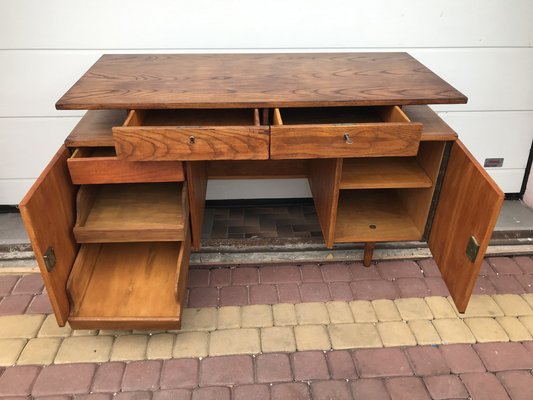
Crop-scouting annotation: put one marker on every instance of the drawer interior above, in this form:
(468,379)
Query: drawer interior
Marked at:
(94,152)
(131,212)
(194,117)
(338,115)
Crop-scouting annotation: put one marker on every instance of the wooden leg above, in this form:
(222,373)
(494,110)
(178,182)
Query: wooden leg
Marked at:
(369,251)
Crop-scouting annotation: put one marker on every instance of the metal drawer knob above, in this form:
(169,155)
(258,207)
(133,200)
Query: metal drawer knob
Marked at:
(347,138)
(192,140)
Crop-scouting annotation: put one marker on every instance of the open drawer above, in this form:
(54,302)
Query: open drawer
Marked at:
(94,165)
(338,132)
(219,134)
(135,212)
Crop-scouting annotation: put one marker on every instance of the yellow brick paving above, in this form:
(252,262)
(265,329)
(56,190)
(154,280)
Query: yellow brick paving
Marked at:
(37,340)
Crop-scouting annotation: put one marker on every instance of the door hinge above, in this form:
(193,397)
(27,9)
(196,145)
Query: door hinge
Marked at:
(472,248)
(49,258)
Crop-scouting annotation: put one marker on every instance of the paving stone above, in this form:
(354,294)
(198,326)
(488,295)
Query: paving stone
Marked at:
(369,389)
(309,365)
(527,321)
(270,368)
(427,361)
(429,267)
(49,328)
(445,387)
(311,273)
(229,317)
(413,308)
(278,338)
(113,332)
(7,283)
(251,392)
(64,379)
(234,296)
(516,331)
(256,316)
(289,293)
(131,347)
(424,332)
(412,287)
(436,286)
(506,284)
(336,273)
(199,319)
(525,263)
(234,341)
(486,269)
(172,394)
(526,281)
(198,277)
(378,363)
(483,286)
(314,292)
(386,310)
(479,306)
(226,370)
(203,297)
(395,334)
(284,314)
(462,358)
(519,384)
(263,294)
(40,305)
(17,381)
(360,273)
(108,377)
(341,365)
(354,336)
(440,307)
(280,274)
(20,326)
(138,395)
(191,344)
(180,373)
(513,305)
(340,291)
(363,311)
(245,276)
(374,289)
(312,314)
(91,396)
(141,375)
(453,331)
(504,265)
(407,388)
(504,356)
(484,385)
(339,312)
(160,346)
(15,304)
(211,393)
(220,277)
(327,390)
(84,349)
(293,391)
(39,351)
(29,284)
(311,337)
(486,330)
(399,269)
(10,350)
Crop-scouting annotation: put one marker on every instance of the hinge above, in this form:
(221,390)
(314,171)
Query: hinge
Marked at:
(49,258)
(472,248)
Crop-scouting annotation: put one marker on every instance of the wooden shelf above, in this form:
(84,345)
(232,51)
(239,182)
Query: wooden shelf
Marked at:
(383,172)
(141,212)
(373,216)
(128,285)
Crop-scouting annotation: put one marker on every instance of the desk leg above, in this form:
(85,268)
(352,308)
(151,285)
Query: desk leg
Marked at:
(369,251)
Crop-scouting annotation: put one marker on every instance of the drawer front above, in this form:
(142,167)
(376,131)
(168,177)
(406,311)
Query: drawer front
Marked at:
(88,169)
(346,140)
(138,143)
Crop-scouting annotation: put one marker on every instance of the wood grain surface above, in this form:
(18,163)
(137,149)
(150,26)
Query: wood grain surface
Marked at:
(196,172)
(433,127)
(469,205)
(94,129)
(122,81)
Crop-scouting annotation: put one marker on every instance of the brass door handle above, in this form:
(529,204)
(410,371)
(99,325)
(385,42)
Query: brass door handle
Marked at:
(347,138)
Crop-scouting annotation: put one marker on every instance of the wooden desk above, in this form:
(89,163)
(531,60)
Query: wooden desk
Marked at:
(113,217)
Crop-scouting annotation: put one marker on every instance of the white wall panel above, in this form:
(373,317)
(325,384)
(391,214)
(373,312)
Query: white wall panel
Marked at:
(13,190)
(201,24)
(509,180)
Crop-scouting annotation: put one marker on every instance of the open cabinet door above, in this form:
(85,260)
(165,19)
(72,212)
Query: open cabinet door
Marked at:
(467,210)
(49,212)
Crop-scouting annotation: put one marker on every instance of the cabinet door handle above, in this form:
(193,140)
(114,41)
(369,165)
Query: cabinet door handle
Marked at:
(347,138)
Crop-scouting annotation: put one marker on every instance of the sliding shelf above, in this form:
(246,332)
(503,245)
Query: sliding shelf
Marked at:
(128,285)
(139,212)
(383,172)
(373,216)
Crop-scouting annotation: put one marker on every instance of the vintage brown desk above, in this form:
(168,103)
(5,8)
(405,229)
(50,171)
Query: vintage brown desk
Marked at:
(113,217)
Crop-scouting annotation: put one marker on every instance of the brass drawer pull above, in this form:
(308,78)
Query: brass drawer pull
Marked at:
(347,138)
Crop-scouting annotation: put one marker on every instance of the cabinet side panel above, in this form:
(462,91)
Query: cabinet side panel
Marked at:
(468,206)
(197,188)
(48,211)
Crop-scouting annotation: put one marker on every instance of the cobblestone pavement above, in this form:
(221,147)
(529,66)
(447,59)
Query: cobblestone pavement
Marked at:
(332,331)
